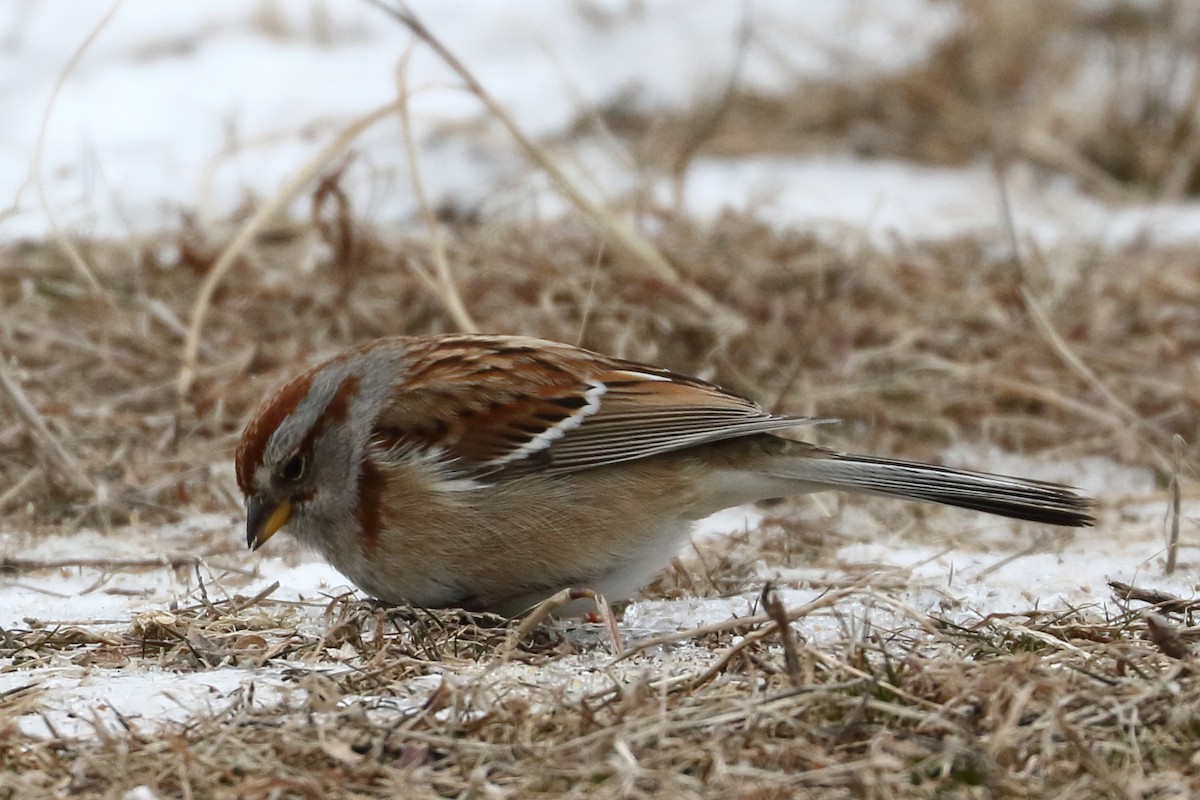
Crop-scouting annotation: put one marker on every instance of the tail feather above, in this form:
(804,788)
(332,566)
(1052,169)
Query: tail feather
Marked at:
(1019,498)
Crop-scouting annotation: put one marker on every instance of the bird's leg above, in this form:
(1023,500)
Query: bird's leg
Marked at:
(543,610)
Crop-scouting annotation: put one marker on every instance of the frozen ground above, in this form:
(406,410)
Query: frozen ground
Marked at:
(209,102)
(198,105)
(991,567)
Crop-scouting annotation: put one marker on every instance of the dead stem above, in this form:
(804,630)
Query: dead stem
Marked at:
(288,192)
(622,234)
(443,285)
(62,462)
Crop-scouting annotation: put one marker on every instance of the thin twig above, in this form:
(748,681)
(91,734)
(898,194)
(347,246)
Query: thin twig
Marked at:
(8,564)
(629,240)
(264,214)
(62,461)
(1060,347)
(1132,421)
(824,601)
(445,288)
(236,605)
(1036,546)
(68,247)
(705,128)
(727,655)
(1175,512)
(1165,637)
(774,607)
(1094,763)
(548,607)
(1163,601)
(14,491)
(589,299)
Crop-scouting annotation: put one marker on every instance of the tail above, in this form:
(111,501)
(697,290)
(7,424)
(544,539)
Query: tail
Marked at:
(1018,498)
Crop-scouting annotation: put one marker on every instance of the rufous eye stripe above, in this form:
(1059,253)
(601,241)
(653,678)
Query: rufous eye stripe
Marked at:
(280,406)
(274,411)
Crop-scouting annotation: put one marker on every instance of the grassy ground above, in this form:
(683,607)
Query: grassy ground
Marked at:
(1060,355)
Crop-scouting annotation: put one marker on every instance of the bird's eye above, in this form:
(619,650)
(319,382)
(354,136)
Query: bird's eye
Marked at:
(293,470)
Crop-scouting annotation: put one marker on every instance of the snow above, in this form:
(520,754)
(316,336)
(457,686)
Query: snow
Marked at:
(203,105)
(199,104)
(196,105)
(75,701)
(993,566)
(883,201)
(77,594)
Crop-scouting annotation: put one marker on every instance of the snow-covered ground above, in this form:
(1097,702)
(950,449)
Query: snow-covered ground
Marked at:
(196,105)
(992,567)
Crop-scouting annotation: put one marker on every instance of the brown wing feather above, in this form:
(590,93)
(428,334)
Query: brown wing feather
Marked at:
(504,403)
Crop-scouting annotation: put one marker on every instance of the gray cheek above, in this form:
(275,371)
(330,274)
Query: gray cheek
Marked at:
(339,460)
(332,483)
(327,523)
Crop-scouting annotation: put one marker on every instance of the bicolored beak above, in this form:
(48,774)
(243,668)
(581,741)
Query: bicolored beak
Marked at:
(263,518)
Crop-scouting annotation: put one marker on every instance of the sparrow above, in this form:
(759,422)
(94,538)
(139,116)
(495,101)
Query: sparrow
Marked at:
(490,472)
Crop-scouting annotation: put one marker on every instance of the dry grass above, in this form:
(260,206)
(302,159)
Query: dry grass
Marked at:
(1106,95)
(1026,705)
(916,348)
